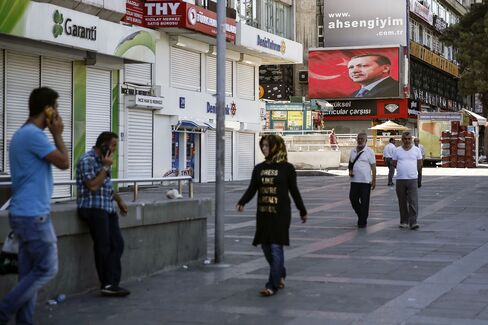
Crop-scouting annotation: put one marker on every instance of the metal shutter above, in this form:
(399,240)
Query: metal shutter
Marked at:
(211,152)
(57,75)
(245,81)
(22,76)
(138,73)
(212,76)
(98,104)
(2,126)
(245,155)
(228,156)
(139,143)
(185,69)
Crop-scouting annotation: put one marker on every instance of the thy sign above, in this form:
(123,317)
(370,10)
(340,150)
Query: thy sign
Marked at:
(161,8)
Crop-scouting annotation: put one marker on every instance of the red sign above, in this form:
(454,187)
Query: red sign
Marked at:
(366,109)
(177,14)
(354,73)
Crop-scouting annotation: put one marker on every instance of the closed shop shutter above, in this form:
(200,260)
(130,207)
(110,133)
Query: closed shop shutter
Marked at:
(22,76)
(212,76)
(139,143)
(211,152)
(245,81)
(2,130)
(185,69)
(138,73)
(57,75)
(245,155)
(98,104)
(228,156)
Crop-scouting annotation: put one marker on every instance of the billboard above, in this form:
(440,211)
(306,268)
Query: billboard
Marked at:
(354,73)
(387,109)
(365,22)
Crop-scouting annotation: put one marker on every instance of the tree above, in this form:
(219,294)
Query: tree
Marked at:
(469,38)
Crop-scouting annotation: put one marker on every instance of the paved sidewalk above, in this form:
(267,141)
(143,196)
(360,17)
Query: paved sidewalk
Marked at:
(337,274)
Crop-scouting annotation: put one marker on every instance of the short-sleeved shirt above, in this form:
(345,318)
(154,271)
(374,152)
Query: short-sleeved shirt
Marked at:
(407,162)
(31,174)
(388,151)
(362,167)
(87,168)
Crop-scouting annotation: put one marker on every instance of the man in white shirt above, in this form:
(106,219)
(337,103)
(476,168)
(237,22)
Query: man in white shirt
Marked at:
(362,170)
(387,155)
(407,160)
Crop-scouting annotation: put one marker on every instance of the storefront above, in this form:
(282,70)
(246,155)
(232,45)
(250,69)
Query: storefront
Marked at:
(78,55)
(288,116)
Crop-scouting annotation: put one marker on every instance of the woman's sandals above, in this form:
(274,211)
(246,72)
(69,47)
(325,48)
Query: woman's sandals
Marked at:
(266,292)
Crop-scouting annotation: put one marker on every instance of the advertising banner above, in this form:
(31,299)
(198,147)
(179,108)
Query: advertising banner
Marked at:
(356,73)
(363,109)
(365,22)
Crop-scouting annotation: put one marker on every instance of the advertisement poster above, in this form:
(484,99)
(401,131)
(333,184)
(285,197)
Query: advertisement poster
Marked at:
(354,73)
(365,22)
(279,115)
(295,120)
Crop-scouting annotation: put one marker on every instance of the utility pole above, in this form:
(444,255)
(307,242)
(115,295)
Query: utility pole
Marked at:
(220,150)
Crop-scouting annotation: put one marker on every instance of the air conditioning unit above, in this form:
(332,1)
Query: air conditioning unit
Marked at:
(303,76)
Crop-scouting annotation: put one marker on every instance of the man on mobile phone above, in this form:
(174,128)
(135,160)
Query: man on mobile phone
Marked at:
(31,156)
(95,200)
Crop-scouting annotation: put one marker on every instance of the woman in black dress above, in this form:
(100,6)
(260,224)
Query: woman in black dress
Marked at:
(273,179)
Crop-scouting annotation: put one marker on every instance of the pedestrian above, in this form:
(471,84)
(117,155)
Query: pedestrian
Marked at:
(31,156)
(362,171)
(387,155)
(95,201)
(333,140)
(407,160)
(417,143)
(273,179)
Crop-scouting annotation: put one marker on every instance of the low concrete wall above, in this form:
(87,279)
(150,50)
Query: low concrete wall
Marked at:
(315,159)
(157,235)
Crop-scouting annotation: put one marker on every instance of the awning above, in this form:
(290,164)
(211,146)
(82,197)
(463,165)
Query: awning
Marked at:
(193,125)
(481,120)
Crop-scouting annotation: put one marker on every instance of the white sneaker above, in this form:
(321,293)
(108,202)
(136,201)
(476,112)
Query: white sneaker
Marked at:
(403,225)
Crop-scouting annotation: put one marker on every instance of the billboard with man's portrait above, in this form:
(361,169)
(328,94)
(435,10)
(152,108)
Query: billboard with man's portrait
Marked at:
(365,22)
(354,73)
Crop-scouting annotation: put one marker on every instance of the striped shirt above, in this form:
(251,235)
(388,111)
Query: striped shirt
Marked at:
(87,168)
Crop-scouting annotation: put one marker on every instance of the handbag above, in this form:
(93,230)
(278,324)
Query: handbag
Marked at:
(351,164)
(9,255)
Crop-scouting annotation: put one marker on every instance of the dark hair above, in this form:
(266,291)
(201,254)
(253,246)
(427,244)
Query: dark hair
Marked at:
(380,59)
(392,140)
(105,137)
(40,98)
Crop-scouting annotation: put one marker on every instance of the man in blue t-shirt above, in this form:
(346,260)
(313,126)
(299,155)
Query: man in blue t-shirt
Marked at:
(31,157)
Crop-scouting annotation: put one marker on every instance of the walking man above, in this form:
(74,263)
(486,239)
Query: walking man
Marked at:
(333,141)
(31,157)
(387,155)
(362,170)
(96,206)
(407,159)
(417,143)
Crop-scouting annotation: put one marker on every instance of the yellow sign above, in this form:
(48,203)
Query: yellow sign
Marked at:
(261,91)
(295,119)
(279,115)
(430,57)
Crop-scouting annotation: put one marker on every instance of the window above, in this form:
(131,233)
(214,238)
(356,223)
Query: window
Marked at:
(185,69)
(212,76)
(247,12)
(278,18)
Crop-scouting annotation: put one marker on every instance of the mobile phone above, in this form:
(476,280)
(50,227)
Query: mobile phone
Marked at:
(105,150)
(49,111)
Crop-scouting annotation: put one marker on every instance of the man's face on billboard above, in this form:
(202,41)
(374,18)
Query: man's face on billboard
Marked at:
(365,70)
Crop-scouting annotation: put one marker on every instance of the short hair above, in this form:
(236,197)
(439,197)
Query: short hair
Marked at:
(105,137)
(362,133)
(406,134)
(391,140)
(40,98)
(380,59)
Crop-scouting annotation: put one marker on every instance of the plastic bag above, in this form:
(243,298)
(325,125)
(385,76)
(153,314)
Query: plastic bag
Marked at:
(9,255)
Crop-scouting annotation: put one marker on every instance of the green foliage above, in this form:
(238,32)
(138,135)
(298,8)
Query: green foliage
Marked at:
(11,12)
(470,39)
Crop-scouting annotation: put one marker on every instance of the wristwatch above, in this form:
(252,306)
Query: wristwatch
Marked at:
(106,168)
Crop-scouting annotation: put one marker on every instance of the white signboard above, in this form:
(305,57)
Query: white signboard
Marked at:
(141,101)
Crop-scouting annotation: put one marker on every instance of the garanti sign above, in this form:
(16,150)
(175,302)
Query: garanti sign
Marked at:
(176,14)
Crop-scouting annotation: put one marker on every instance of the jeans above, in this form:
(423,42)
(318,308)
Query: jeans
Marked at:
(108,244)
(38,263)
(276,260)
(407,193)
(359,196)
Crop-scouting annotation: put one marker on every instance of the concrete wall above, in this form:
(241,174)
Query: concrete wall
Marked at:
(157,236)
(315,159)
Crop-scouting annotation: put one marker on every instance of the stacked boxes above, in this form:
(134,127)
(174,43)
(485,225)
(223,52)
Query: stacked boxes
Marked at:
(457,147)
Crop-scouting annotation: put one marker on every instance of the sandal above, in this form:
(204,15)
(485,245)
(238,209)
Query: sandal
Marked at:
(266,292)
(282,283)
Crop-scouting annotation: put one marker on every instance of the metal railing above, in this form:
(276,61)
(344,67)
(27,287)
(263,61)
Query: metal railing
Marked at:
(135,182)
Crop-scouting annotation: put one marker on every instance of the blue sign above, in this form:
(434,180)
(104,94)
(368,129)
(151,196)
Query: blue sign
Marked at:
(182,102)
(269,44)
(213,109)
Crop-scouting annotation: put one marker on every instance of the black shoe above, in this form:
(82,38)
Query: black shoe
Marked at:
(415,226)
(114,291)
(362,226)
